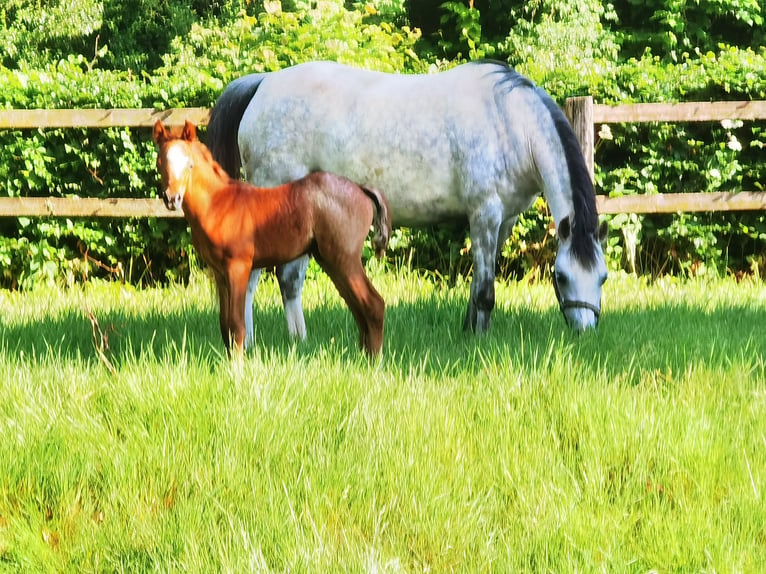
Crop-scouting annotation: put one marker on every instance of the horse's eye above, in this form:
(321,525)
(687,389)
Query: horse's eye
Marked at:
(561,278)
(602,280)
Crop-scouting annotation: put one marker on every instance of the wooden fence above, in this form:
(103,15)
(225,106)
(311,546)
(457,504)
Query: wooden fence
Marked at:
(91,207)
(582,112)
(584,115)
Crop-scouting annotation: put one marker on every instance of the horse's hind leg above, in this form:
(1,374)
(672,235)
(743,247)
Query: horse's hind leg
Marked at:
(252,285)
(375,313)
(290,277)
(371,308)
(365,303)
(356,309)
(485,226)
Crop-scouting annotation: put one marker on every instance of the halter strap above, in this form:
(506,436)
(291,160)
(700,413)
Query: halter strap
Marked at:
(565,304)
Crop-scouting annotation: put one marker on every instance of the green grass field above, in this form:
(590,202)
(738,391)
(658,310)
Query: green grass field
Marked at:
(640,446)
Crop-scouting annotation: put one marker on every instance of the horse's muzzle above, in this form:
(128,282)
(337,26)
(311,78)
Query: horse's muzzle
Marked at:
(172,202)
(579,327)
(565,304)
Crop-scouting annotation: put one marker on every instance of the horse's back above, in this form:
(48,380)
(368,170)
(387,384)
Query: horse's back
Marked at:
(428,141)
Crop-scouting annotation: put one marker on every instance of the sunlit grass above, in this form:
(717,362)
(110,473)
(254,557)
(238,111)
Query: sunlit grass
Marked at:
(640,446)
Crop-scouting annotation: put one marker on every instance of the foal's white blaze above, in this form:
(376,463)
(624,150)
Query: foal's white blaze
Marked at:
(178,163)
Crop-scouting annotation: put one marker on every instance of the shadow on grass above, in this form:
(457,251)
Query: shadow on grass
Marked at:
(426,336)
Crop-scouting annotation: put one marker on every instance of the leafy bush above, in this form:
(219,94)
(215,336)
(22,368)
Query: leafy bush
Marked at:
(671,27)
(119,162)
(139,32)
(34,33)
(671,158)
(175,53)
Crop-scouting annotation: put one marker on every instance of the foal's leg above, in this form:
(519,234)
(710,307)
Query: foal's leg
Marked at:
(291,276)
(222,288)
(485,226)
(365,303)
(374,312)
(252,285)
(340,281)
(237,275)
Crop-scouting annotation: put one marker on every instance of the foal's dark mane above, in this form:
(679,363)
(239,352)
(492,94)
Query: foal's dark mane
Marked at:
(585,223)
(207,157)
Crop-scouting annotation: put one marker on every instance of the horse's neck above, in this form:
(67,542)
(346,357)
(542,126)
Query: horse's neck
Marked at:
(560,203)
(557,192)
(206,184)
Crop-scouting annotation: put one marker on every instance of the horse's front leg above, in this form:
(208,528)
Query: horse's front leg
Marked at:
(237,278)
(222,287)
(291,276)
(484,229)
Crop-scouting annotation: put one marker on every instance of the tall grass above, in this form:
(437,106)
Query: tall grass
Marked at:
(639,446)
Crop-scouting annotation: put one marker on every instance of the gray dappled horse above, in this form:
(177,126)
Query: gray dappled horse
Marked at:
(478,142)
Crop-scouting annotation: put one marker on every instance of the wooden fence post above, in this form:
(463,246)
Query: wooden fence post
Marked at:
(579,110)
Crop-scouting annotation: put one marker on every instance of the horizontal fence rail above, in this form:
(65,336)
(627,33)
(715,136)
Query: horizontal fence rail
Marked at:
(584,115)
(682,202)
(95,118)
(582,112)
(123,117)
(84,207)
(144,207)
(680,112)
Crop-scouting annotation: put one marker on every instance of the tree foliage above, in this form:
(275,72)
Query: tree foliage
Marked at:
(175,53)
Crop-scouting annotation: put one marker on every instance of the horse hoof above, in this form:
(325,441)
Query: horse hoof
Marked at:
(478,326)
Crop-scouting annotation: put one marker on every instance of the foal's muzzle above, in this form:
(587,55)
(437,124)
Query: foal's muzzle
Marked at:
(565,304)
(173,203)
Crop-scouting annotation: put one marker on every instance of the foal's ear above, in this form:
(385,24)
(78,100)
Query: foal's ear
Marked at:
(159,133)
(190,132)
(603,232)
(564,229)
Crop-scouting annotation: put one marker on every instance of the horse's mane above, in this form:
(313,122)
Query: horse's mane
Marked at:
(585,221)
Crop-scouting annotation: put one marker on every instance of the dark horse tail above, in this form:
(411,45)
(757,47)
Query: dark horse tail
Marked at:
(224,122)
(381,220)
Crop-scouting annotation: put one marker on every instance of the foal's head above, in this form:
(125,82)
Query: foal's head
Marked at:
(175,161)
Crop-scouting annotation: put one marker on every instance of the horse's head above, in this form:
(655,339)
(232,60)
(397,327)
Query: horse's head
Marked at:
(579,273)
(175,161)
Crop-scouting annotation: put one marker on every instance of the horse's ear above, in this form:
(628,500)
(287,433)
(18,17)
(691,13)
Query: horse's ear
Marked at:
(564,229)
(603,232)
(159,132)
(190,132)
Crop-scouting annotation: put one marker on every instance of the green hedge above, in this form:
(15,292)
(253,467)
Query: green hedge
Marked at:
(570,48)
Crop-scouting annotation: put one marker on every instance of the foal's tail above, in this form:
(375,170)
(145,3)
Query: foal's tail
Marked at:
(223,127)
(381,220)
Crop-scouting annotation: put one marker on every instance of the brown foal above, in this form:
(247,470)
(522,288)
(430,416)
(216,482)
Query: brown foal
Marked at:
(237,227)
